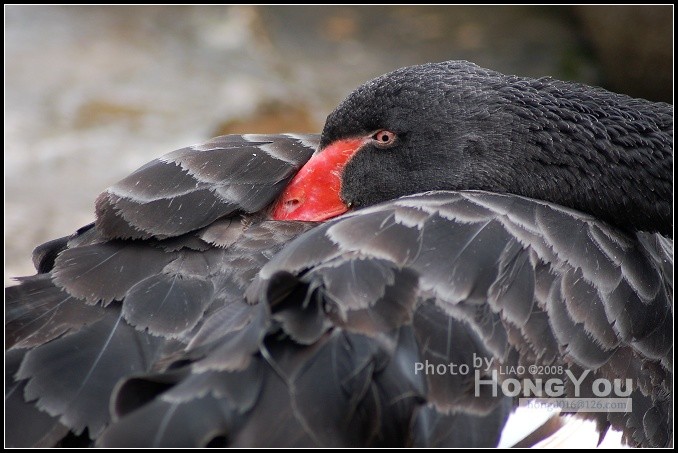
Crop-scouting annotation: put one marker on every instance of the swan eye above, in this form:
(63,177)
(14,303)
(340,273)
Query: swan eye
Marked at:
(383,138)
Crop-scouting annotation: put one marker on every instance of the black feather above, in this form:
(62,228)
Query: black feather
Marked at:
(72,377)
(219,327)
(194,186)
(37,312)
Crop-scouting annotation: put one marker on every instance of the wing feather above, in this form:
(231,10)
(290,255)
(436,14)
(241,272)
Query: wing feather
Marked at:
(192,187)
(239,334)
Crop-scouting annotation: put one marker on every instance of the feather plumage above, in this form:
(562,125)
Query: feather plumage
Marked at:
(201,322)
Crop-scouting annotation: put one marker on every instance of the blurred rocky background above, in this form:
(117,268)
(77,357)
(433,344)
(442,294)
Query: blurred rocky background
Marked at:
(92,93)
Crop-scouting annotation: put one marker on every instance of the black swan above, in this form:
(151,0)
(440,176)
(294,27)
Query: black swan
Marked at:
(448,217)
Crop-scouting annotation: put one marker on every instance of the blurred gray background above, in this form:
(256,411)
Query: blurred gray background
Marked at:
(92,93)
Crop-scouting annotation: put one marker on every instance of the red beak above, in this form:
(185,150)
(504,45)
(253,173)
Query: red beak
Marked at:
(314,193)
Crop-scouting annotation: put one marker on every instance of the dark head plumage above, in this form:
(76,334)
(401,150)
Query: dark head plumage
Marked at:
(460,126)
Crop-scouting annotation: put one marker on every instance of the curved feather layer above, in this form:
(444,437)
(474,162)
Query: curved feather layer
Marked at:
(512,279)
(222,329)
(192,187)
